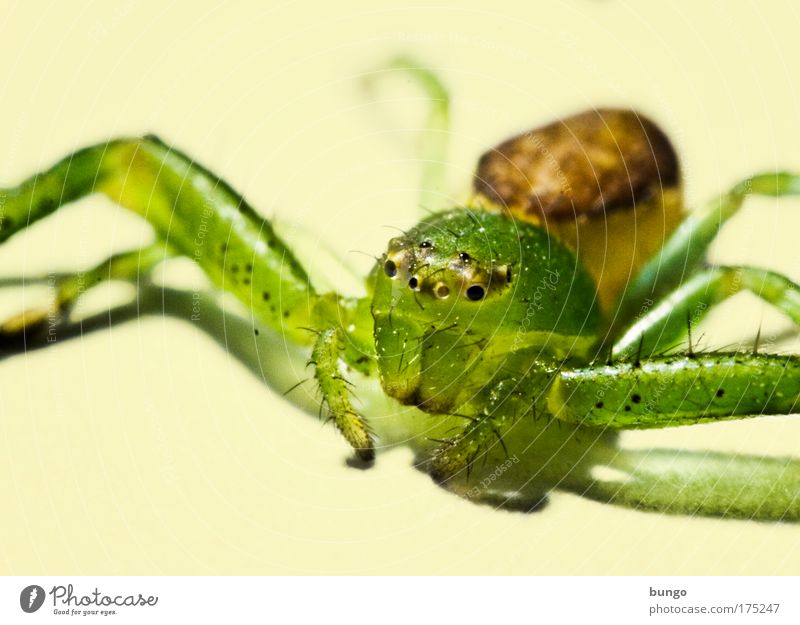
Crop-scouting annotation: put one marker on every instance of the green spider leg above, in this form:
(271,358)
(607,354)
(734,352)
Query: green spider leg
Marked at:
(130,266)
(676,481)
(682,390)
(667,323)
(328,351)
(434,136)
(683,255)
(641,389)
(199,216)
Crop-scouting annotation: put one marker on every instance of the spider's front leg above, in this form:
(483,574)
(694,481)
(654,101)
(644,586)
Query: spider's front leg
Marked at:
(677,390)
(684,390)
(197,215)
(507,452)
(326,357)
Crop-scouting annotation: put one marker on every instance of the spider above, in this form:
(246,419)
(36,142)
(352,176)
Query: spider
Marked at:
(525,327)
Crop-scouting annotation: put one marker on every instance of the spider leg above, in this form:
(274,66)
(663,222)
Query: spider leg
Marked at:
(677,390)
(131,266)
(678,481)
(196,213)
(432,150)
(504,454)
(327,353)
(668,321)
(684,252)
(477,464)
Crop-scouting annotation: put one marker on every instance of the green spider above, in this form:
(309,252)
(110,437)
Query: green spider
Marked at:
(525,328)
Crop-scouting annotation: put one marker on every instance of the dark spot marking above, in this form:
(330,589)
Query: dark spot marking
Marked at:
(475,292)
(627,408)
(248,268)
(599,404)
(286,313)
(265,296)
(635,398)
(235,268)
(720,392)
(390,269)
(246,281)
(256,331)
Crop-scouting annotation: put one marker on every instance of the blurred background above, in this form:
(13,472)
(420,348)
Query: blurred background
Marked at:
(147,449)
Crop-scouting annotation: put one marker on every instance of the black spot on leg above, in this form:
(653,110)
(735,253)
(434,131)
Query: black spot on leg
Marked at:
(256,331)
(265,296)
(599,405)
(635,398)
(720,392)
(627,408)
(285,314)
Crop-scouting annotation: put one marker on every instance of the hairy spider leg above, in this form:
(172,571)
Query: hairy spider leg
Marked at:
(197,215)
(435,133)
(667,323)
(684,253)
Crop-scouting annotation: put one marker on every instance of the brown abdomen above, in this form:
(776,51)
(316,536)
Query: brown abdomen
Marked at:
(606,182)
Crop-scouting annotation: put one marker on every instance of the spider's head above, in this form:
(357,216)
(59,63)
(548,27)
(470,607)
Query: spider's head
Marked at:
(461,287)
(435,267)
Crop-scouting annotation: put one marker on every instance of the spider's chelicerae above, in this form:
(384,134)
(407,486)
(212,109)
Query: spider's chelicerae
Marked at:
(526,326)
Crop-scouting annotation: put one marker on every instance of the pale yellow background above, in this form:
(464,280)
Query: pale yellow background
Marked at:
(148,450)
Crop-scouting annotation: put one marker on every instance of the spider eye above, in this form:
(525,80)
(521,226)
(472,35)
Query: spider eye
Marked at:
(476,292)
(390,268)
(464,257)
(442,290)
(426,244)
(413,283)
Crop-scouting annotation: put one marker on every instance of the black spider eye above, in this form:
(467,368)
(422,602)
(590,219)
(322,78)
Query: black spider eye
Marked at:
(476,292)
(426,244)
(464,257)
(508,274)
(413,283)
(390,268)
